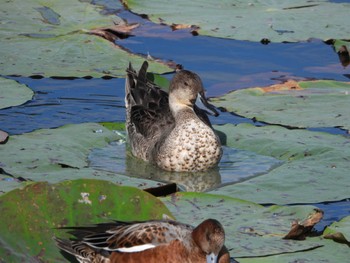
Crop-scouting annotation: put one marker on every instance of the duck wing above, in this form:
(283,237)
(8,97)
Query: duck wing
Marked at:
(124,236)
(148,112)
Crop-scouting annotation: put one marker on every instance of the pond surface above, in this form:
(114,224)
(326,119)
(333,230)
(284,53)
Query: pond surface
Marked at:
(224,65)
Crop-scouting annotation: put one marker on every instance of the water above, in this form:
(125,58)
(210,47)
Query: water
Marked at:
(224,65)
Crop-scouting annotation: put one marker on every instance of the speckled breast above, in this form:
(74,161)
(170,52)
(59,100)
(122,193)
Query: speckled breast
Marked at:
(191,146)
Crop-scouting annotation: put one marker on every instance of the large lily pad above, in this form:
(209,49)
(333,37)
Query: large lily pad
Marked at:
(315,169)
(52,38)
(303,105)
(276,20)
(30,216)
(58,154)
(13,93)
(251,229)
(328,253)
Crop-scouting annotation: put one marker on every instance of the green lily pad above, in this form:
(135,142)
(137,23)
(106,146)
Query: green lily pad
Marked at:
(30,216)
(303,105)
(328,253)
(277,21)
(51,38)
(339,231)
(58,154)
(315,165)
(251,229)
(13,93)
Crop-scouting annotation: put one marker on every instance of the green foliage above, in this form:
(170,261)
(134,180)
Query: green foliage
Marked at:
(314,104)
(277,21)
(53,38)
(13,93)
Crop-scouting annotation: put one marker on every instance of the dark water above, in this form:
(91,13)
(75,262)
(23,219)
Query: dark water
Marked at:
(224,65)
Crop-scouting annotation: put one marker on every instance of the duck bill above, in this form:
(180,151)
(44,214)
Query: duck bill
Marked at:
(210,107)
(212,258)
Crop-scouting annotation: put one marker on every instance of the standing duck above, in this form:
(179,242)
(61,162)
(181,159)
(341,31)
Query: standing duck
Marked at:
(169,130)
(155,241)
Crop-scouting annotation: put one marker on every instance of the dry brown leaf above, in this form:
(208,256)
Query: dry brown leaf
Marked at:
(300,230)
(288,85)
(111,33)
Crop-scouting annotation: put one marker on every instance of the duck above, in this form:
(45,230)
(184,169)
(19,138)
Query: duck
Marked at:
(168,129)
(165,241)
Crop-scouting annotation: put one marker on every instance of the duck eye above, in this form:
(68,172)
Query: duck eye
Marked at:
(186,84)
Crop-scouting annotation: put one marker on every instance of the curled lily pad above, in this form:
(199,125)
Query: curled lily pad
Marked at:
(30,216)
(13,93)
(339,231)
(277,21)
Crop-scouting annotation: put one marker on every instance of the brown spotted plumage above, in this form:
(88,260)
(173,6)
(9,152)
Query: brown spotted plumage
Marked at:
(170,130)
(155,241)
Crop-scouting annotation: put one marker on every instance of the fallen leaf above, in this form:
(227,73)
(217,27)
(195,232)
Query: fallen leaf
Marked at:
(117,31)
(300,230)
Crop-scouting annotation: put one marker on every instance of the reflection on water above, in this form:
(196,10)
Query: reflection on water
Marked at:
(235,166)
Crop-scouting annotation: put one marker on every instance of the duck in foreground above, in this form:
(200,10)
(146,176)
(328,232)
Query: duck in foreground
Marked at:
(169,130)
(155,241)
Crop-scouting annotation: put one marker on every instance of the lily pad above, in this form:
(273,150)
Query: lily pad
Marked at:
(51,38)
(251,229)
(339,231)
(315,169)
(30,216)
(277,21)
(58,154)
(294,104)
(13,93)
(328,253)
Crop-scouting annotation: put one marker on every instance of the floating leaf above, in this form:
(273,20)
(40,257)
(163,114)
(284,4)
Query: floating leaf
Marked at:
(339,231)
(58,154)
(293,104)
(270,20)
(315,169)
(51,38)
(30,216)
(13,93)
(329,252)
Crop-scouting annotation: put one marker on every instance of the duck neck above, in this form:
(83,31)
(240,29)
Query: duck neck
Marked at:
(177,108)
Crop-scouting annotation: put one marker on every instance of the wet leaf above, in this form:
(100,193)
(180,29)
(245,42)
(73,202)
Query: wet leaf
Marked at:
(329,252)
(294,104)
(30,216)
(13,93)
(315,167)
(59,154)
(51,38)
(270,20)
(339,231)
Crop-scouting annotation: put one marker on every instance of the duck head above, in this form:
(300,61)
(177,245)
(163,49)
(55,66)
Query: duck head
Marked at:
(210,237)
(184,89)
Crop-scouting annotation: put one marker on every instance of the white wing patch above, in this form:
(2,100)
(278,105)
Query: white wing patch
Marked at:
(136,248)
